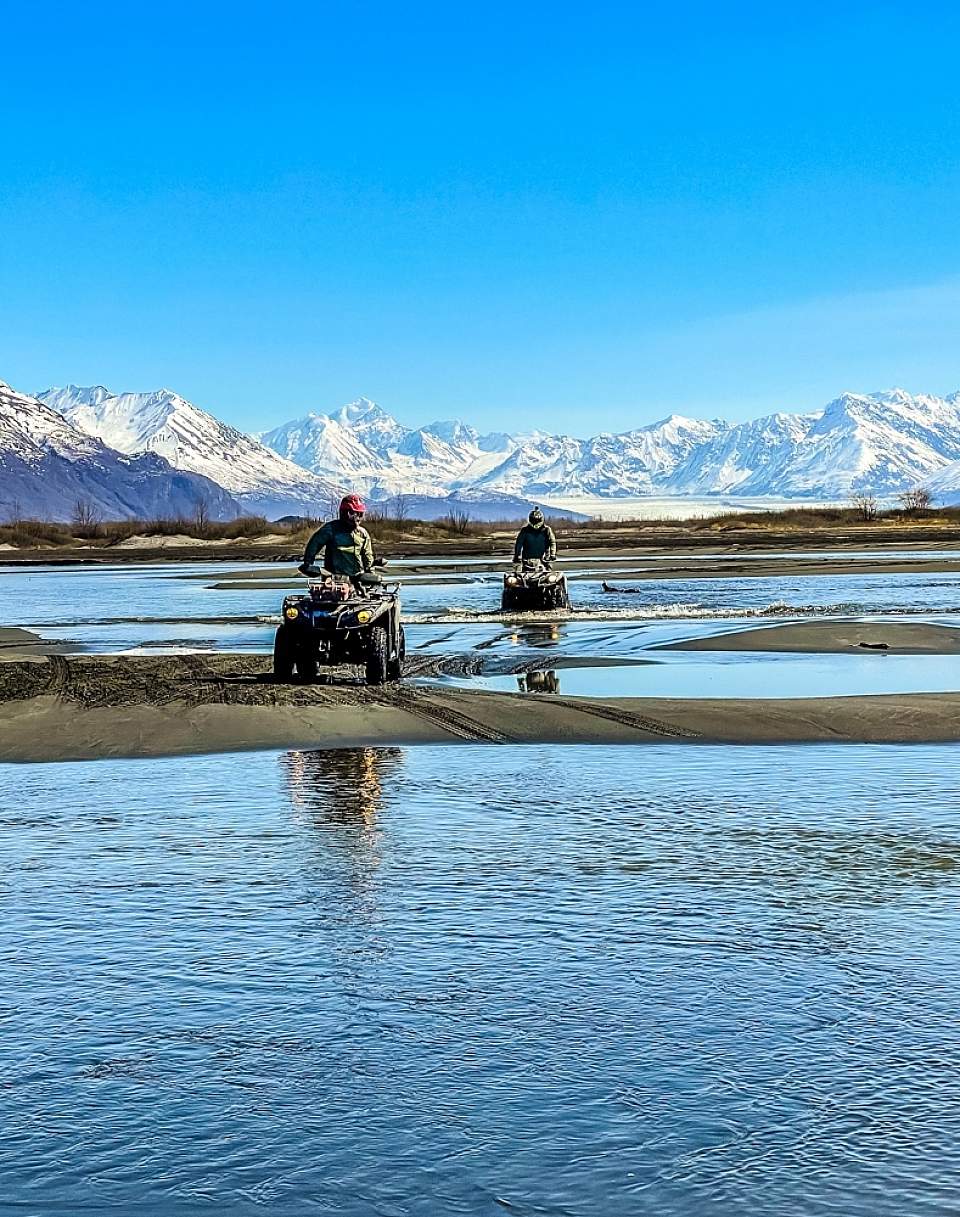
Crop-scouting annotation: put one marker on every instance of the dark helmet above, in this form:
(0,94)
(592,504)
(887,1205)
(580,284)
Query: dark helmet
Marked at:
(352,504)
(536,518)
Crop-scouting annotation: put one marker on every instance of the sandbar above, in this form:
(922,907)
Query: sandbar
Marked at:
(832,636)
(56,708)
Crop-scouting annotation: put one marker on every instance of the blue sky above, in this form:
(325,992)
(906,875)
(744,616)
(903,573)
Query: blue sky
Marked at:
(576,216)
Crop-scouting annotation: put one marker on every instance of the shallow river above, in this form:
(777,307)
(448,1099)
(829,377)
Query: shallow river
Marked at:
(185,605)
(563,981)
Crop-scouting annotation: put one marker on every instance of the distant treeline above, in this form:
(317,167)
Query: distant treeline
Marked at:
(87,529)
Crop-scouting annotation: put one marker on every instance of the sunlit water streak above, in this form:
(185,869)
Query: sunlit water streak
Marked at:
(542,981)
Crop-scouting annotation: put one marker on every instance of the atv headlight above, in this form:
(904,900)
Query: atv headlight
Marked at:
(512,580)
(291,613)
(363,616)
(552,578)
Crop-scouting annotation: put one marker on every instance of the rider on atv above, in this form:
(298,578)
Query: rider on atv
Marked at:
(347,548)
(535,541)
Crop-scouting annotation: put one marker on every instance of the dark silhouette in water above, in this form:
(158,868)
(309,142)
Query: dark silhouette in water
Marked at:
(611,587)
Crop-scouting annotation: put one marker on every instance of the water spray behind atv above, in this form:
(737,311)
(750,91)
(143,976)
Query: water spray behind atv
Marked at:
(534,586)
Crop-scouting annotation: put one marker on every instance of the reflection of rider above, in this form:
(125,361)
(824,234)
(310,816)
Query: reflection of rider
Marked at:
(341,786)
(347,548)
(339,795)
(535,541)
(539,682)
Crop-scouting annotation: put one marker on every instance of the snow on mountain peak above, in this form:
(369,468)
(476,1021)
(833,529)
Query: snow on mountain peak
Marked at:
(49,465)
(879,442)
(190,438)
(884,441)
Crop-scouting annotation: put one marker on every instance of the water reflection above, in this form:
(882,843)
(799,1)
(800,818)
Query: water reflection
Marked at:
(341,786)
(710,981)
(539,682)
(339,797)
(541,635)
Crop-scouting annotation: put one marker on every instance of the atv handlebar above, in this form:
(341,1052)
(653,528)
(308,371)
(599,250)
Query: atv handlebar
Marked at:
(367,578)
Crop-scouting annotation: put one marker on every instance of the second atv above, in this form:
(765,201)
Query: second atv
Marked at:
(534,586)
(341,621)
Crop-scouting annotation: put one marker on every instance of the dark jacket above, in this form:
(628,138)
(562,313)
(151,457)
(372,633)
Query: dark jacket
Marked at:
(535,543)
(346,550)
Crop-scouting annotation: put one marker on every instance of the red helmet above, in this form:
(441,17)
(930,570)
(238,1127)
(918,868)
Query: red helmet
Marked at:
(354,503)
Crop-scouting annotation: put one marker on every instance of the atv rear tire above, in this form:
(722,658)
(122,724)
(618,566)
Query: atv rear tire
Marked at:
(395,667)
(378,656)
(283,655)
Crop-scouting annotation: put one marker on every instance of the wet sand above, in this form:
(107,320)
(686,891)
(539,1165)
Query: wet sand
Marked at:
(16,643)
(832,638)
(54,707)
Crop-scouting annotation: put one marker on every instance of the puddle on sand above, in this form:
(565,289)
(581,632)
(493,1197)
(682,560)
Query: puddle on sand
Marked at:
(738,674)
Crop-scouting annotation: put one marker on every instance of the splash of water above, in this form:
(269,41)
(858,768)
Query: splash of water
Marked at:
(679,611)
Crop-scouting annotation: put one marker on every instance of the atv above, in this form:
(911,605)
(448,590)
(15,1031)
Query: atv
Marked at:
(534,586)
(341,621)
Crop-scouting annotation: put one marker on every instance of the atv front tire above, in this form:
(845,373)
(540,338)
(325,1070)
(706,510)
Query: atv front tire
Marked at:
(306,664)
(283,655)
(378,656)
(395,667)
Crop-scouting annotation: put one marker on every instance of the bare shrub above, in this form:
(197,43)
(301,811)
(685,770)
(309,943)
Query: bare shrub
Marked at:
(916,500)
(458,522)
(86,519)
(242,526)
(865,505)
(31,534)
(201,517)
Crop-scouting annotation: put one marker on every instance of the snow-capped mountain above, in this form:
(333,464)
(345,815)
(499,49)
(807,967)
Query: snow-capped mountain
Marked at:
(944,485)
(363,445)
(191,439)
(48,466)
(880,443)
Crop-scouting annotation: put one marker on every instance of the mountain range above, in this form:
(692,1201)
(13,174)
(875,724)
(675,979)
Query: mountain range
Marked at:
(155,453)
(48,467)
(188,438)
(879,443)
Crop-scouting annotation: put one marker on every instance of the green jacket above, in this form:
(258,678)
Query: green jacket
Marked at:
(535,543)
(346,551)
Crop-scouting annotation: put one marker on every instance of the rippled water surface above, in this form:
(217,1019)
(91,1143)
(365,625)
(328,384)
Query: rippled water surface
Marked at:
(561,981)
(198,606)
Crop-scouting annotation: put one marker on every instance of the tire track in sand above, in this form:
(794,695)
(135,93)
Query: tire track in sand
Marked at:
(422,705)
(629,718)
